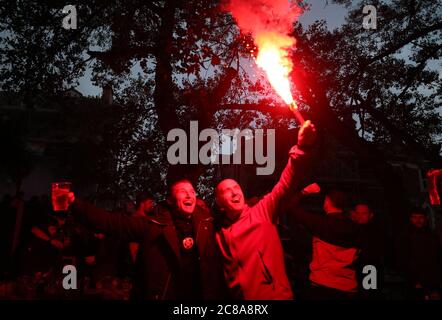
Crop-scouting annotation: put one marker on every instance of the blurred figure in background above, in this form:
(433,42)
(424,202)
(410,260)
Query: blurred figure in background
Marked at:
(7,221)
(299,247)
(144,204)
(42,256)
(144,207)
(419,257)
(336,243)
(371,253)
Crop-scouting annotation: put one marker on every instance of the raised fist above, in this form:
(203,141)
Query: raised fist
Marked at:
(307,134)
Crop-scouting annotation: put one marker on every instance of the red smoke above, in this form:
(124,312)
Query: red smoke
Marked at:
(258,16)
(270,22)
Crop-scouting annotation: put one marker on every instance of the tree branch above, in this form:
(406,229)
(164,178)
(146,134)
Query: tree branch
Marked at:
(281,110)
(420,67)
(393,48)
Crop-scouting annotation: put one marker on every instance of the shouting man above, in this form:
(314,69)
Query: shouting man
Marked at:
(177,252)
(248,238)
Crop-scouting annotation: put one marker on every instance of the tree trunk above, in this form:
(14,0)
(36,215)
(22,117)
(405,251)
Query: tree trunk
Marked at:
(165,103)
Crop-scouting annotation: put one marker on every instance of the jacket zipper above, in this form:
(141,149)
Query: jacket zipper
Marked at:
(166,287)
(199,227)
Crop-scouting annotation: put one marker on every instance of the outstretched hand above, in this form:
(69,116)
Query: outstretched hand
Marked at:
(307,134)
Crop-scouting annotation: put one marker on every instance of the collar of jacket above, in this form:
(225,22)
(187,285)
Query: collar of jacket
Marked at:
(226,222)
(201,217)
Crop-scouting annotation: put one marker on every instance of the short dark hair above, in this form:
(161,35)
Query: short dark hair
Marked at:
(338,198)
(180,173)
(141,196)
(360,203)
(175,182)
(417,210)
(170,197)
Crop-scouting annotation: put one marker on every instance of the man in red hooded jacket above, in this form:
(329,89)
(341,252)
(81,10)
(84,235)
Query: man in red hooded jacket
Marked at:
(248,238)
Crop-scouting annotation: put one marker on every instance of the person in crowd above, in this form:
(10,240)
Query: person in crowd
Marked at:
(144,207)
(7,222)
(18,210)
(253,258)
(371,250)
(43,250)
(419,257)
(299,244)
(145,204)
(177,249)
(336,245)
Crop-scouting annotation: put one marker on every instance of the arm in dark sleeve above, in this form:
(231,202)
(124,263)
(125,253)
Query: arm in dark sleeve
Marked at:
(117,225)
(292,200)
(328,228)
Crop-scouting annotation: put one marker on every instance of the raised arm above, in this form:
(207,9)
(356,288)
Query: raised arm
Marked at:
(328,228)
(299,158)
(117,225)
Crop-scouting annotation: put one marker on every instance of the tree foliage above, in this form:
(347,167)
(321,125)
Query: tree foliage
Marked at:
(173,61)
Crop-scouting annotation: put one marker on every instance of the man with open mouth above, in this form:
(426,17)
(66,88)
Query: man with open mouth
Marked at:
(177,257)
(248,238)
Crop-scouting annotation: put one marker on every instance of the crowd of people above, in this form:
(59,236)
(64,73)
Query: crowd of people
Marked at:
(183,249)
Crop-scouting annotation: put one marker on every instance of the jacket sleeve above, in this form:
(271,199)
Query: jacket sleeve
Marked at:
(292,201)
(117,225)
(328,228)
(293,172)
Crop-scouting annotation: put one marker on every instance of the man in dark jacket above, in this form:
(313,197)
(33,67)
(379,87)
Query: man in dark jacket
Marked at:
(419,257)
(372,249)
(178,255)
